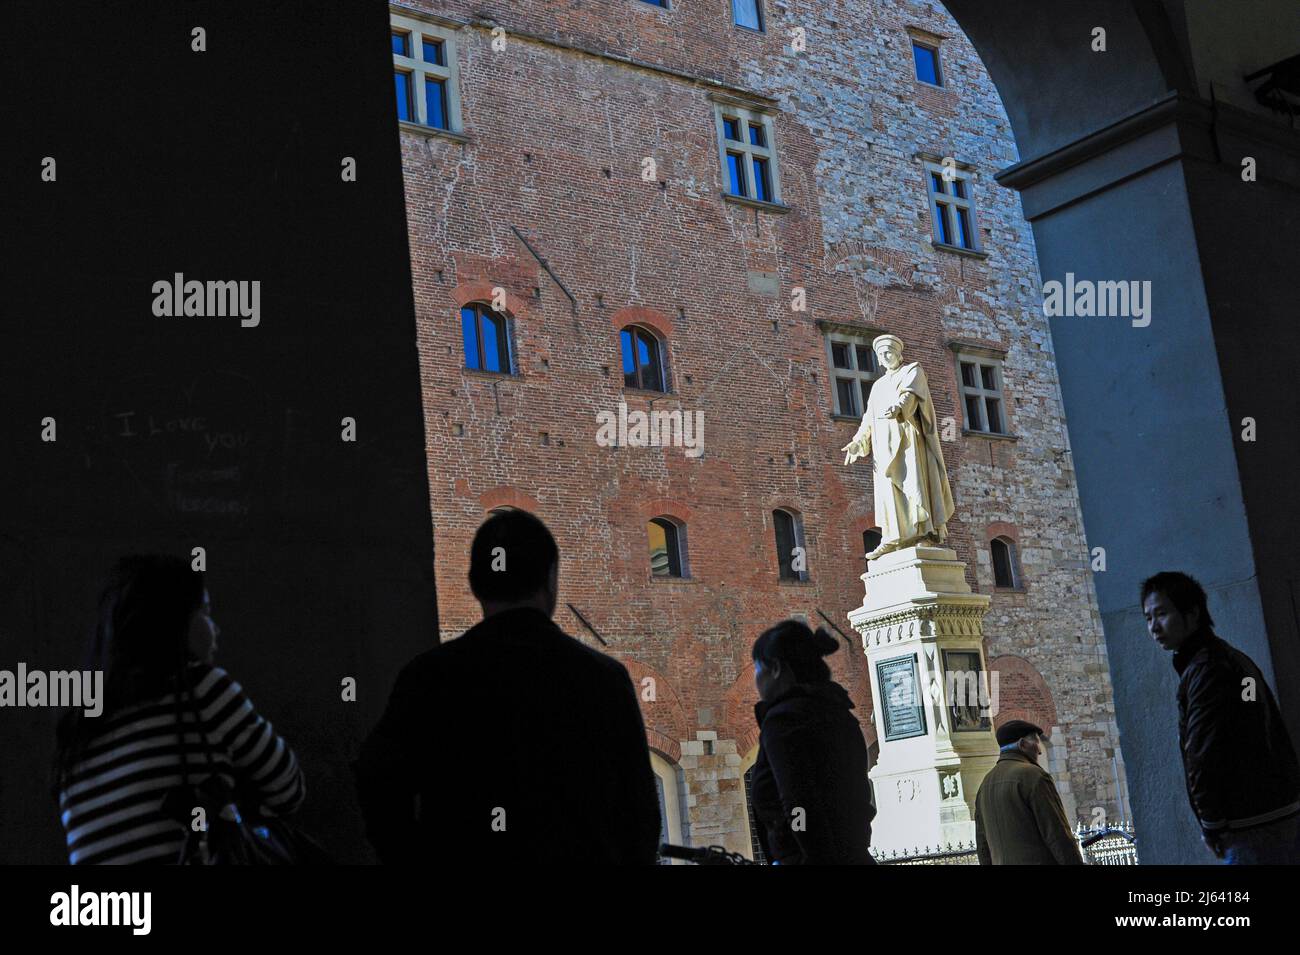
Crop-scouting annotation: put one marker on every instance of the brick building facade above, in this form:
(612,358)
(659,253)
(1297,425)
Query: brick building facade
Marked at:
(569,174)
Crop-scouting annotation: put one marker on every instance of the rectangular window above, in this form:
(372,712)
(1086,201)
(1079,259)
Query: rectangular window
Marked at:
(747,13)
(657,3)
(748,156)
(762,186)
(435,102)
(981,388)
(926,59)
(952,206)
(403,82)
(424,59)
(853,370)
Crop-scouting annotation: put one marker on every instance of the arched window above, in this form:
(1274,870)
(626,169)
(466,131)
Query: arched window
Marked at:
(667,540)
(1006,572)
(871,539)
(669,790)
(643,364)
(486,335)
(791,555)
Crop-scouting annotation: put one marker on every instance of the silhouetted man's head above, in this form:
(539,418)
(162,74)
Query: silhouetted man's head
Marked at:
(514,563)
(1174,607)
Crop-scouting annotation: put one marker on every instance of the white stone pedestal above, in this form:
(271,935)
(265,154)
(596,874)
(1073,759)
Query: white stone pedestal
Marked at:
(920,623)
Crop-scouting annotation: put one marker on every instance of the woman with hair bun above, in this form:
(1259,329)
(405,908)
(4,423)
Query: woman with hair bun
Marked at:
(810,792)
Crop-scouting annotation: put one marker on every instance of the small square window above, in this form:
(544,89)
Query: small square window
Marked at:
(989,377)
(866,358)
(433,52)
(401,44)
(756,134)
(731,128)
(840,355)
(926,59)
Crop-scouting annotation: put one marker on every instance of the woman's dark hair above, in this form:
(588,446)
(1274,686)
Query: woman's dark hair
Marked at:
(794,645)
(140,641)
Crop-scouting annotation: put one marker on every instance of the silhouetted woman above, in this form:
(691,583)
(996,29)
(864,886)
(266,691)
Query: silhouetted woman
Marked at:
(154,639)
(810,791)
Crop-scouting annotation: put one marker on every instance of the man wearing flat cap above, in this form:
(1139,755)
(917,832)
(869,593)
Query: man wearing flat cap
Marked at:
(1019,819)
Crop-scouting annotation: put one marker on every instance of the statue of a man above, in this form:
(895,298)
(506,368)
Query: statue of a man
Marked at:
(913,499)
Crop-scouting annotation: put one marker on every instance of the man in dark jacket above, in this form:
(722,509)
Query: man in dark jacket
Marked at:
(514,744)
(1019,819)
(1243,779)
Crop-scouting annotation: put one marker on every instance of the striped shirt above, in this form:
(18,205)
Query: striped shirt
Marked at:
(111,802)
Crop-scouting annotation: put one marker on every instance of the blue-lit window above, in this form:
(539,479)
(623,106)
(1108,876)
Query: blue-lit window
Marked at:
(731,128)
(486,337)
(403,83)
(657,3)
(736,173)
(926,59)
(747,13)
(435,102)
(762,182)
(952,207)
(424,60)
(643,365)
(756,134)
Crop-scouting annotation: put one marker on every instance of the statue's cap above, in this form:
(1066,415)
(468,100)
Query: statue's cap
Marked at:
(886,339)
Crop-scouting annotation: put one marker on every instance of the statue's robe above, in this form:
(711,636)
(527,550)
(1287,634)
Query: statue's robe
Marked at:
(912,495)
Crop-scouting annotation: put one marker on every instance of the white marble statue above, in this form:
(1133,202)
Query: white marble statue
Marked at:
(913,499)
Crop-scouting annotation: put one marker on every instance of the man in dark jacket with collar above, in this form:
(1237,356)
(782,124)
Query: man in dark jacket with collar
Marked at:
(514,744)
(1019,819)
(1243,779)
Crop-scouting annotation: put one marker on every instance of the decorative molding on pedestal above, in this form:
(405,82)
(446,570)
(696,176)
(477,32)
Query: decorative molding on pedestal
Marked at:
(918,610)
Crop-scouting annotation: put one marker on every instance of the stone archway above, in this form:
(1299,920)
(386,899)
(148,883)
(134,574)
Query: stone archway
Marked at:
(1153,132)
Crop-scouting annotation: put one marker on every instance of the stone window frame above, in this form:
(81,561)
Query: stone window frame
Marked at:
(725,107)
(940,203)
(981,358)
(673,824)
(417,25)
(836,336)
